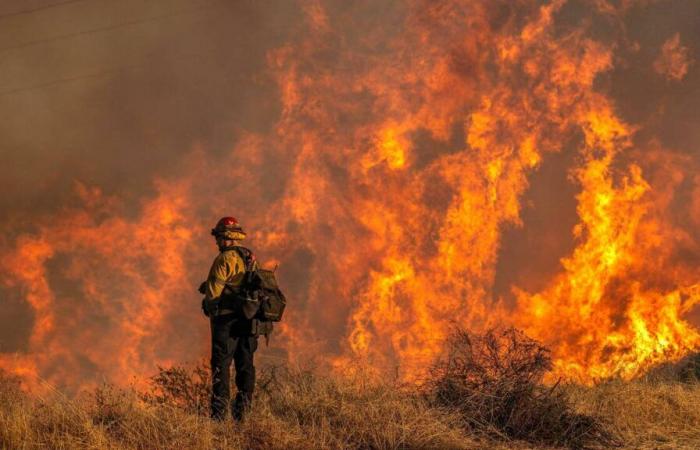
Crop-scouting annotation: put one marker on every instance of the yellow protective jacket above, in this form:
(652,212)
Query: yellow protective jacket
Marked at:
(228,268)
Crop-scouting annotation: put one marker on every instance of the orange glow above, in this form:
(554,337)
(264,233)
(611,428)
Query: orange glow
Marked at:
(401,158)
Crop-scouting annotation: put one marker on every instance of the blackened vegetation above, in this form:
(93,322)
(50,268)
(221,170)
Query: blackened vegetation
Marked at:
(495,381)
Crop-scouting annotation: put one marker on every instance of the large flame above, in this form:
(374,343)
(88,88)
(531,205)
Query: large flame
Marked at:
(407,141)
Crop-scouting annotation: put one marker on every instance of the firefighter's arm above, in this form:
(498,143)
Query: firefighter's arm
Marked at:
(219,273)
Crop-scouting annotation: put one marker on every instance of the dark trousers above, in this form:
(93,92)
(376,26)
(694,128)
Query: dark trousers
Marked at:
(231,340)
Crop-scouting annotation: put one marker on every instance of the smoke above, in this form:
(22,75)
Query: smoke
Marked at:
(407,165)
(132,95)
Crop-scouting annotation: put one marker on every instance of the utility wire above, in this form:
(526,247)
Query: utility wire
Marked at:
(98,74)
(41,8)
(106,72)
(106,28)
(101,73)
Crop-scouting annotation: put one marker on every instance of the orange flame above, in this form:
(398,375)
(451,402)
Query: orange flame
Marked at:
(404,151)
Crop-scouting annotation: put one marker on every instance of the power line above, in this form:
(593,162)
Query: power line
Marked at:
(106,28)
(98,74)
(101,73)
(68,80)
(41,8)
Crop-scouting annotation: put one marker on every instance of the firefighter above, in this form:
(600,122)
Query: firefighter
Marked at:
(233,336)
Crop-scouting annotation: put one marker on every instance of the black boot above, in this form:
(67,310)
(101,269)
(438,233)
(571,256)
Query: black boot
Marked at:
(241,405)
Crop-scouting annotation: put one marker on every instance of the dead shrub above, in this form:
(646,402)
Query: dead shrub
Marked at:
(110,406)
(182,387)
(495,381)
(685,370)
(689,370)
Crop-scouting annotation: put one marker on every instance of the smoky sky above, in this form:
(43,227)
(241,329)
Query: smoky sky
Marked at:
(114,93)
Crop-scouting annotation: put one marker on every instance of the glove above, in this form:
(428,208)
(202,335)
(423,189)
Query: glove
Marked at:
(209,307)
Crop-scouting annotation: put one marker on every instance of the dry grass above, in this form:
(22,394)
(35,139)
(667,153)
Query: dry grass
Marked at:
(297,409)
(646,414)
(302,409)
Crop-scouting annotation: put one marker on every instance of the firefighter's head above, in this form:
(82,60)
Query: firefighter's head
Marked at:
(227,232)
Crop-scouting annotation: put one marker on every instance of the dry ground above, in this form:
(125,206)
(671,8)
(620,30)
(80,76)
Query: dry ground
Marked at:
(485,393)
(301,409)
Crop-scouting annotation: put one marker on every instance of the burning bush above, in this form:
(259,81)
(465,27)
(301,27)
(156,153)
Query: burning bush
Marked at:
(495,381)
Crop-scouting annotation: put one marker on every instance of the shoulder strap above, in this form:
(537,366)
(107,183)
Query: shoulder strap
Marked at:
(247,256)
(249,265)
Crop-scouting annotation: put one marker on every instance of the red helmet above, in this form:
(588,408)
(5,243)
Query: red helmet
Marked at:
(228,227)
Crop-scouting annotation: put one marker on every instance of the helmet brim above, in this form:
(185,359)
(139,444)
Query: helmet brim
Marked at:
(234,235)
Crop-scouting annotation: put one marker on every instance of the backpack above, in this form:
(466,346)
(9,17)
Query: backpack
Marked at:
(272,300)
(262,285)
